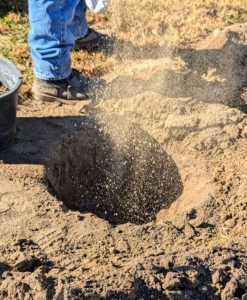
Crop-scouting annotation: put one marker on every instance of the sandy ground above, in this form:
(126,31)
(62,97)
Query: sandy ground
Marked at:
(154,171)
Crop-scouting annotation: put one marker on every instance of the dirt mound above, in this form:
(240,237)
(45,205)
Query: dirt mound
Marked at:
(156,177)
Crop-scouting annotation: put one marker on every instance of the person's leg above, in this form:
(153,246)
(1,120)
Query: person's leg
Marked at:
(50,38)
(79,25)
(85,38)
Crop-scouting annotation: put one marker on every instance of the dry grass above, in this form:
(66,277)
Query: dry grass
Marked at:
(91,64)
(13,40)
(161,22)
(173,21)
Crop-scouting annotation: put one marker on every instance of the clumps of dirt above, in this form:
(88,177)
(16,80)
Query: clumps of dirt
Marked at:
(3,89)
(115,170)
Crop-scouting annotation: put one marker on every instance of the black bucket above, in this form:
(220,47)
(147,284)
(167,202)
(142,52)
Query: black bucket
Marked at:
(10,77)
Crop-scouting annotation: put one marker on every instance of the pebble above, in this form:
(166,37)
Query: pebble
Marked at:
(196,222)
(230,223)
(113,250)
(219,277)
(223,217)
(25,264)
(140,267)
(189,231)
(215,277)
(172,282)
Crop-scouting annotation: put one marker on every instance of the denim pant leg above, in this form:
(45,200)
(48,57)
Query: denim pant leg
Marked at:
(50,38)
(79,26)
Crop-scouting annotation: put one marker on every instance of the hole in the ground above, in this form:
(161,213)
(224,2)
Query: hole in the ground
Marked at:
(115,170)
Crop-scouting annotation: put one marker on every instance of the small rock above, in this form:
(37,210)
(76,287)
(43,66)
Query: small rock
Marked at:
(225,145)
(242,190)
(230,223)
(215,277)
(172,282)
(189,231)
(25,265)
(219,276)
(193,273)
(113,250)
(140,267)
(196,222)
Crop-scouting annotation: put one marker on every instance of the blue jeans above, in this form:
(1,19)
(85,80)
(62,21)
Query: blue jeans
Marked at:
(55,24)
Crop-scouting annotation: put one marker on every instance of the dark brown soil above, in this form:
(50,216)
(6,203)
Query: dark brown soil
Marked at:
(122,178)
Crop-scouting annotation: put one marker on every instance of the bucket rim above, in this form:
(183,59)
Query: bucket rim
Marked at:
(13,90)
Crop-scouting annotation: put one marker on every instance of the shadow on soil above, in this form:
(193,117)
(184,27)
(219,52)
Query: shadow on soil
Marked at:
(208,75)
(190,281)
(140,291)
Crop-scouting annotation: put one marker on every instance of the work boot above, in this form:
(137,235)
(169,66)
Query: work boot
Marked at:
(93,39)
(69,90)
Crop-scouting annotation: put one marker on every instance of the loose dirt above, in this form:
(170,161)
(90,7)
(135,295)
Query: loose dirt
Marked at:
(153,176)
(3,89)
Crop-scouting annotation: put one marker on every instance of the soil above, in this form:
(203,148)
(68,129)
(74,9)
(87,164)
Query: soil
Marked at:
(3,89)
(153,176)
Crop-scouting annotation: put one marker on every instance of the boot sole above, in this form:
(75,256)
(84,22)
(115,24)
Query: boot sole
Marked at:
(48,98)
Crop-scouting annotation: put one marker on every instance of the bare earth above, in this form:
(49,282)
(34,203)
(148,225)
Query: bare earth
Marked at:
(3,89)
(155,173)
